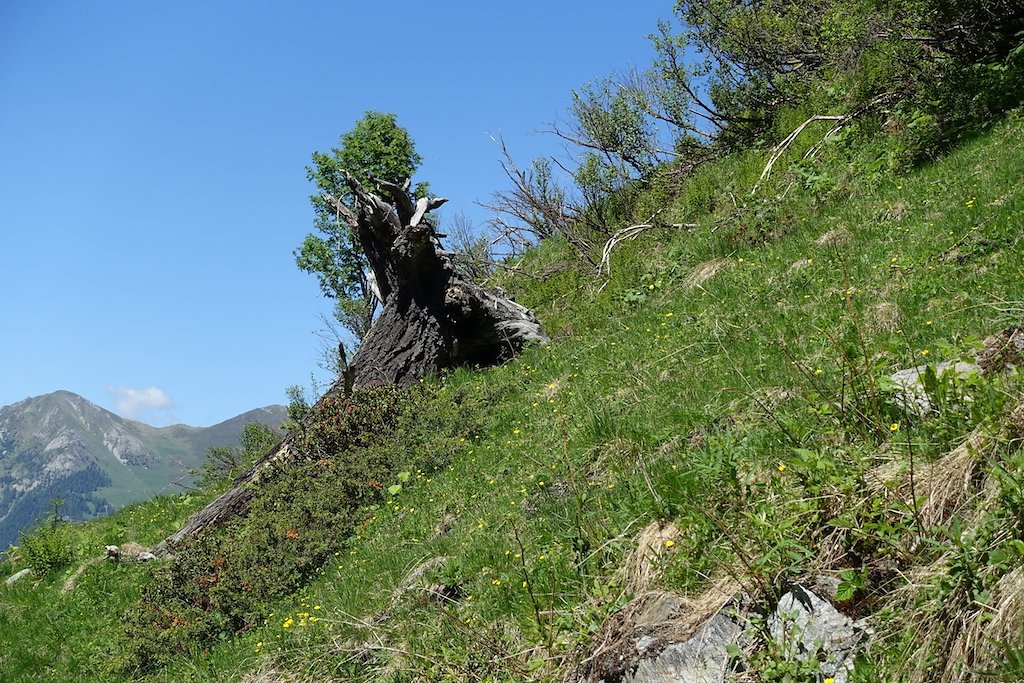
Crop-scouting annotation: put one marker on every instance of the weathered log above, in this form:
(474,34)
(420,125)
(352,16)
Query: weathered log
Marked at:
(432,319)
(233,502)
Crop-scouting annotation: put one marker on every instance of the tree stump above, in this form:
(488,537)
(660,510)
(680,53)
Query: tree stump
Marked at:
(432,319)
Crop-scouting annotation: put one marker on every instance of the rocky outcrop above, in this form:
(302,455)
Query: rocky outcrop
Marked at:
(666,638)
(806,628)
(663,637)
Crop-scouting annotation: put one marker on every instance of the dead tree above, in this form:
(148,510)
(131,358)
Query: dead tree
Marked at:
(432,319)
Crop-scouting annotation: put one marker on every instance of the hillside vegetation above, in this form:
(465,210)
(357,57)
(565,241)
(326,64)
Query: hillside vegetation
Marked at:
(716,412)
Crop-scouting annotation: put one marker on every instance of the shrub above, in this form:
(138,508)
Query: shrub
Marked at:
(223,582)
(47,547)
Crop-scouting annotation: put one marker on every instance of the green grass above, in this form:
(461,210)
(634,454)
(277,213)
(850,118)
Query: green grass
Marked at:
(724,404)
(50,634)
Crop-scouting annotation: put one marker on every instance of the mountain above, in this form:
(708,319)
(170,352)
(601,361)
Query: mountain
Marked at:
(62,446)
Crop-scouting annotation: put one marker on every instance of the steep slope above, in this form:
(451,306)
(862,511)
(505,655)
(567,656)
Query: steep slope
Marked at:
(719,408)
(61,446)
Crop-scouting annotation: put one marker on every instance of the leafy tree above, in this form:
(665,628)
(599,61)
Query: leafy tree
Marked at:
(609,122)
(377,148)
(224,463)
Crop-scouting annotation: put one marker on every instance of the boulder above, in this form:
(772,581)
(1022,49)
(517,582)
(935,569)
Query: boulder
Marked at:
(806,628)
(666,638)
(909,388)
(10,581)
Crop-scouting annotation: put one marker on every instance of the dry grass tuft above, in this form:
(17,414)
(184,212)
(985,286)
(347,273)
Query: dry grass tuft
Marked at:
(713,599)
(268,674)
(1002,352)
(1015,423)
(132,549)
(964,636)
(975,648)
(1007,612)
(643,566)
(946,486)
(949,483)
(884,317)
(834,237)
(550,390)
(704,272)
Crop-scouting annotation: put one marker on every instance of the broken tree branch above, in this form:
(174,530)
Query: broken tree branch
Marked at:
(630,233)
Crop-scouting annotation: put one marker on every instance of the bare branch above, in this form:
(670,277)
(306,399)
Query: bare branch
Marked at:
(424,206)
(632,232)
(400,196)
(342,211)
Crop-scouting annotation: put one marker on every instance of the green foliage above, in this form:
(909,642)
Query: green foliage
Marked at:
(927,73)
(298,407)
(732,386)
(607,120)
(224,463)
(221,583)
(377,148)
(49,546)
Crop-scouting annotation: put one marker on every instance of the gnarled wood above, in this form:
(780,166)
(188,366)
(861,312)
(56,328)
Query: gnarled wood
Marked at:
(432,319)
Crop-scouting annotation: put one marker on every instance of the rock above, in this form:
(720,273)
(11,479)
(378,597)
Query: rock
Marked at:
(665,638)
(909,383)
(146,556)
(805,628)
(702,658)
(17,577)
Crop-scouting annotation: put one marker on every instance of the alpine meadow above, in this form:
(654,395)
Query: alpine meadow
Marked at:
(729,392)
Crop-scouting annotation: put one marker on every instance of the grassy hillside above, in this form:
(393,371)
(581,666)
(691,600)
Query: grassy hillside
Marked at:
(723,392)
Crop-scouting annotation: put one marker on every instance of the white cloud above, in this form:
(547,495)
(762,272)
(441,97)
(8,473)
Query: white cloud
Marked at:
(133,403)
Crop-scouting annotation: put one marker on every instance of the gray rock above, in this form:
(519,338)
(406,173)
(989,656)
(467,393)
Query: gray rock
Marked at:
(664,638)
(17,577)
(909,383)
(826,586)
(146,556)
(805,627)
(701,658)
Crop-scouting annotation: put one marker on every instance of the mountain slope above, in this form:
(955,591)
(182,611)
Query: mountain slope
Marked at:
(62,446)
(719,408)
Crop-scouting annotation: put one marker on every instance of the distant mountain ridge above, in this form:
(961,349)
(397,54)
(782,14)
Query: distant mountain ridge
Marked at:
(60,445)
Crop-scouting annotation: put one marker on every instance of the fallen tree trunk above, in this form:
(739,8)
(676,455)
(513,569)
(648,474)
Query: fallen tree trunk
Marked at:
(432,319)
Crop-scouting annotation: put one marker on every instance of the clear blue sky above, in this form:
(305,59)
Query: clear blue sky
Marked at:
(152,171)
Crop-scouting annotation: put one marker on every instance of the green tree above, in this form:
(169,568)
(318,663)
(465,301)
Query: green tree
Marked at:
(377,148)
(224,463)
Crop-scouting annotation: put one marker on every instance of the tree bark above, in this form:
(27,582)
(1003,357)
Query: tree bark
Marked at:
(432,319)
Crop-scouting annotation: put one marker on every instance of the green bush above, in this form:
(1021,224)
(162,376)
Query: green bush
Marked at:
(47,547)
(223,583)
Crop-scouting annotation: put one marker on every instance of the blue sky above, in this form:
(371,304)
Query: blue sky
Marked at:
(152,171)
